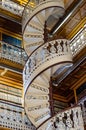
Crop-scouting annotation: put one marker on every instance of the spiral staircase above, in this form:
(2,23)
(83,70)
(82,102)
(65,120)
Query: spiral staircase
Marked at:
(45,57)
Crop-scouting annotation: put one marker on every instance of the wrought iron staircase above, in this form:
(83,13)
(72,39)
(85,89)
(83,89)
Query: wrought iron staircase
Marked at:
(45,57)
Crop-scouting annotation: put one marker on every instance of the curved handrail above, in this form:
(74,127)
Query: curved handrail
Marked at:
(69,118)
(56,51)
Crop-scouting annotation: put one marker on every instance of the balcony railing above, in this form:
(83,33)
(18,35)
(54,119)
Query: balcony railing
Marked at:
(10,98)
(11,6)
(13,117)
(12,53)
(78,42)
(10,94)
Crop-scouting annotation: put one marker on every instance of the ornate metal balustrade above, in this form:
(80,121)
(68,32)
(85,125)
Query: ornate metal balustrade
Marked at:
(13,117)
(12,53)
(56,51)
(11,7)
(70,119)
(78,42)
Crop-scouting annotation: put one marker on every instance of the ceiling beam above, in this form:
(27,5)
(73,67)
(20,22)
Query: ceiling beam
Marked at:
(79,82)
(60,98)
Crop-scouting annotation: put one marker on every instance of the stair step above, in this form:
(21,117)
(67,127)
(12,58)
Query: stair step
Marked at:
(40,82)
(33,45)
(33,41)
(32,29)
(35,25)
(46,75)
(37,117)
(34,35)
(38,89)
(37,96)
(41,18)
(48,12)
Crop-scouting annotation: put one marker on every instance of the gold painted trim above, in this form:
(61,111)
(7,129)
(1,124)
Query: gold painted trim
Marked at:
(63,99)
(21,2)
(77,28)
(60,98)
(0,36)
(75,95)
(9,13)
(70,97)
(9,33)
(79,82)
(2,128)
(11,63)
(11,83)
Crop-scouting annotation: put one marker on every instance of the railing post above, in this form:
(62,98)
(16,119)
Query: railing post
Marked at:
(51,97)
(75,95)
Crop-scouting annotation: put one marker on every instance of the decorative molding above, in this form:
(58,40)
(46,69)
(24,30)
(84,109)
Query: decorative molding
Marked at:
(77,28)
(10,82)
(9,33)
(60,98)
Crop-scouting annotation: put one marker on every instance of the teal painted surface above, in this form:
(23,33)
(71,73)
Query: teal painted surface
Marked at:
(11,40)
